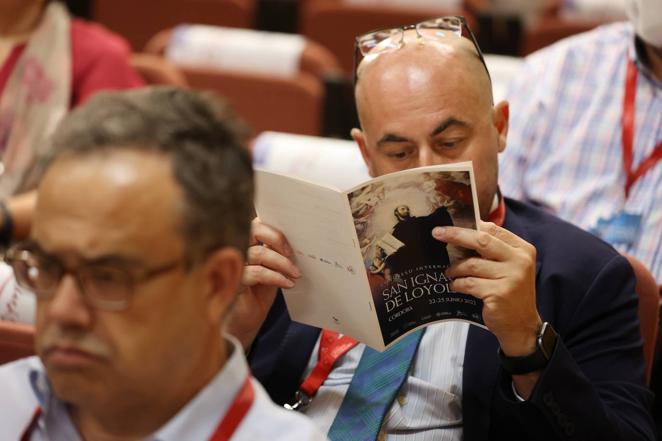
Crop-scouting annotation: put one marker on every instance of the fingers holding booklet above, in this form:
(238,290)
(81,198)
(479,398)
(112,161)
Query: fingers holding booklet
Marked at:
(268,267)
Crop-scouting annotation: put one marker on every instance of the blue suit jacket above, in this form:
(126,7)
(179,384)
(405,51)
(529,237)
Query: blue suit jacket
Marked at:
(593,387)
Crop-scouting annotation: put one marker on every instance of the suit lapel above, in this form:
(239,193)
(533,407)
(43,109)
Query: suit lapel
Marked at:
(481,365)
(293,355)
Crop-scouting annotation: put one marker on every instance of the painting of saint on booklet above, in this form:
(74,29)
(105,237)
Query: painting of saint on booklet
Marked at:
(404,264)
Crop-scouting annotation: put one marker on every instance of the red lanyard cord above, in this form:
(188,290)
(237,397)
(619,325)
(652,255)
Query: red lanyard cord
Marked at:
(234,416)
(332,347)
(627,134)
(27,433)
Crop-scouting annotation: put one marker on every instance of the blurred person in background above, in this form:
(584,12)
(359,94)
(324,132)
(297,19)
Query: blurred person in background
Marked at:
(49,63)
(585,138)
(135,257)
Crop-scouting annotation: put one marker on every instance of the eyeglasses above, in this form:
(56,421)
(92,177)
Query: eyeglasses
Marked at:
(105,286)
(389,39)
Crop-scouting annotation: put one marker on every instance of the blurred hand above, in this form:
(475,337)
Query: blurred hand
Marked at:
(268,268)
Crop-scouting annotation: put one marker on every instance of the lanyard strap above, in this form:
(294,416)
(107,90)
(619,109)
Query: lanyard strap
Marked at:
(332,348)
(27,433)
(627,134)
(240,406)
(224,431)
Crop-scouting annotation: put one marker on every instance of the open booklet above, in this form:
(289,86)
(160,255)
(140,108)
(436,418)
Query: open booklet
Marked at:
(371,268)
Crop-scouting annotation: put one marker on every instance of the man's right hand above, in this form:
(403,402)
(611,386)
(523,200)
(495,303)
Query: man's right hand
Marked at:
(268,268)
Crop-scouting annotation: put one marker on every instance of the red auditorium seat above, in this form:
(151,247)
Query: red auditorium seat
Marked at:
(266,102)
(16,341)
(137,21)
(649,310)
(334,23)
(154,69)
(550,29)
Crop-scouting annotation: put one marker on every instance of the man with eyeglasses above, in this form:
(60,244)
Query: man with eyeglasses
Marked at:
(135,258)
(562,359)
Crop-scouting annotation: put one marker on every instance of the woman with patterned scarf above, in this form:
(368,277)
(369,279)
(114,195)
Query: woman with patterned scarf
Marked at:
(49,63)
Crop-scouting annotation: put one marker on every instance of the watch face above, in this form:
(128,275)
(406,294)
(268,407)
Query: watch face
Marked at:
(547,340)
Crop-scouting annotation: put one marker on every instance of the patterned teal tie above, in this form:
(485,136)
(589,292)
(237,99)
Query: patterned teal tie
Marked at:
(376,382)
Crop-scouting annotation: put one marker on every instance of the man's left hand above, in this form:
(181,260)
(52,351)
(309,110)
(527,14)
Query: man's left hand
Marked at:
(503,275)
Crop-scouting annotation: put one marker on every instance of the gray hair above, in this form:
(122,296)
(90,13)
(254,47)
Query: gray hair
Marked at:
(204,140)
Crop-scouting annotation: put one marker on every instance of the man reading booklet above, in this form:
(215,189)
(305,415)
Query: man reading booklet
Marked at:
(561,358)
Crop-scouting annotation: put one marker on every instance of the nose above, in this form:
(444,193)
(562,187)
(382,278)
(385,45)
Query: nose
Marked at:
(67,306)
(428,156)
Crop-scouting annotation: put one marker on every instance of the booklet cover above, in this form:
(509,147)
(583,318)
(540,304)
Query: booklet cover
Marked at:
(371,268)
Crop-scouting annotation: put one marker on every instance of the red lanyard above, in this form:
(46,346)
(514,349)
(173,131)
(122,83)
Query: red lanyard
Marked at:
(332,348)
(27,433)
(627,122)
(224,431)
(240,406)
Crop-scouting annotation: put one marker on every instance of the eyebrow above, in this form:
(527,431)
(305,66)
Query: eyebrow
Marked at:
(111,260)
(391,138)
(125,262)
(445,124)
(450,122)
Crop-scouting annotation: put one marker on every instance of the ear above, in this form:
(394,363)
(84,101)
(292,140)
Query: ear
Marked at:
(500,116)
(222,272)
(359,138)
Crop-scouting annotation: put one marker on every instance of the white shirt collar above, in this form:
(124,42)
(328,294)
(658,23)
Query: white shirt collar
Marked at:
(495,203)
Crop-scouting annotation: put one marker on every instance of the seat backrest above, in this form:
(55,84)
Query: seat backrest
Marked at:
(315,58)
(335,23)
(16,341)
(550,29)
(156,70)
(137,21)
(288,96)
(327,161)
(290,105)
(649,309)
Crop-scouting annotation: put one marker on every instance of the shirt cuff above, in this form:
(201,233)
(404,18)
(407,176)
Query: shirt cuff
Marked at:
(517,396)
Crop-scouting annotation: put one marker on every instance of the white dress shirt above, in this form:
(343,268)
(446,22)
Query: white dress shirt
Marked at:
(429,404)
(25,386)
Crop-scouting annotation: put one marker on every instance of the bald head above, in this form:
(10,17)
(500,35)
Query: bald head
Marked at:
(422,63)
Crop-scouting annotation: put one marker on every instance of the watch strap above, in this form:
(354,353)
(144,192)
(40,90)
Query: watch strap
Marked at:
(545,344)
